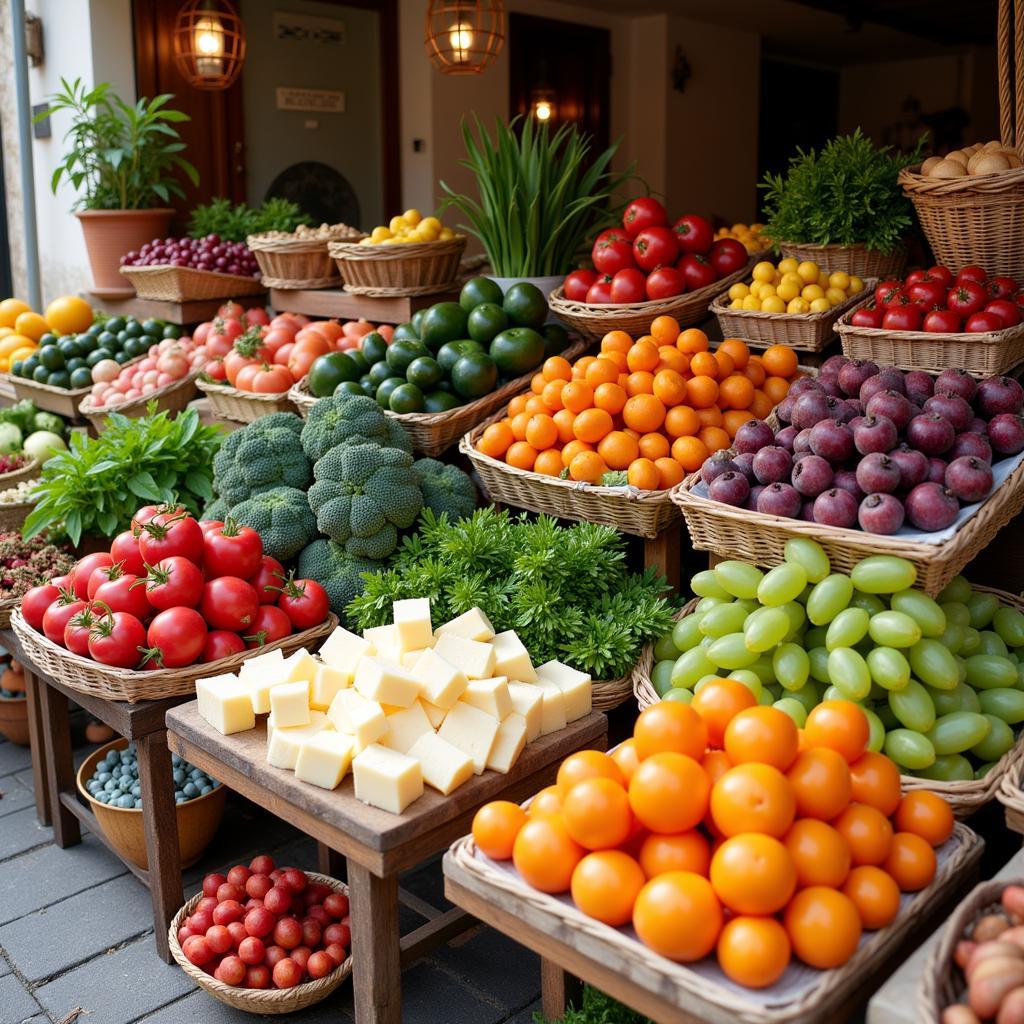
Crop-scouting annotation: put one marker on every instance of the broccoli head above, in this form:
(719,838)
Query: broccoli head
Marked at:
(338,572)
(340,418)
(363,495)
(216,509)
(282,518)
(446,489)
(267,453)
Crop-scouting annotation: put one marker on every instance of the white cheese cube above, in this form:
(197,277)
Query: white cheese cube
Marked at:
(225,703)
(412,621)
(528,701)
(473,625)
(490,695)
(441,682)
(387,779)
(409,659)
(512,659)
(444,766)
(283,744)
(342,650)
(552,716)
(324,759)
(471,730)
(575,685)
(508,744)
(386,682)
(326,684)
(300,667)
(289,704)
(385,642)
(405,727)
(434,713)
(364,719)
(260,674)
(476,659)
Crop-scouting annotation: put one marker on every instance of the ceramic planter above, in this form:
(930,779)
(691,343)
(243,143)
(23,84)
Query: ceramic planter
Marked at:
(109,235)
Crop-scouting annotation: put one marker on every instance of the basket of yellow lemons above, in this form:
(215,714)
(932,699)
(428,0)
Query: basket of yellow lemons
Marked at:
(751,236)
(411,255)
(794,304)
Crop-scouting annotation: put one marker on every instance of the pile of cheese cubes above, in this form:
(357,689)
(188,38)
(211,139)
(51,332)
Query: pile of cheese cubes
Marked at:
(401,705)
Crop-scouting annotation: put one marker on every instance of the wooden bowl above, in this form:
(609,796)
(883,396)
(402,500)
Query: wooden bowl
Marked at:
(14,719)
(198,819)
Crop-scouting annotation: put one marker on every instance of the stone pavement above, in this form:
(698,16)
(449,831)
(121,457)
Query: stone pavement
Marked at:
(76,935)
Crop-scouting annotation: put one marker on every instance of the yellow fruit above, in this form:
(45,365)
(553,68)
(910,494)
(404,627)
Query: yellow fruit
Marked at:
(820,305)
(412,217)
(835,295)
(368,240)
(764,271)
(773,304)
(379,233)
(808,272)
(793,278)
(69,314)
(431,222)
(757,226)
(396,223)
(812,292)
(12,342)
(856,285)
(4,331)
(752,302)
(839,279)
(23,353)
(739,291)
(788,265)
(787,291)
(446,235)
(32,325)
(11,309)
(798,305)
(737,227)
(736,304)
(767,289)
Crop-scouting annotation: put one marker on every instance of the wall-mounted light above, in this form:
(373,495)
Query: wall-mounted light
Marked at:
(34,39)
(464,36)
(543,105)
(209,43)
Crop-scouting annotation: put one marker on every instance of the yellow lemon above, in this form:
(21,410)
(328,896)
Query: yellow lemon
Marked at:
(835,295)
(396,223)
(736,304)
(764,271)
(752,302)
(412,217)
(4,331)
(856,285)
(32,325)
(446,235)
(820,305)
(839,279)
(812,292)
(432,223)
(808,272)
(69,314)
(22,353)
(379,233)
(737,228)
(798,305)
(787,291)
(767,289)
(773,304)
(739,291)
(793,278)
(11,309)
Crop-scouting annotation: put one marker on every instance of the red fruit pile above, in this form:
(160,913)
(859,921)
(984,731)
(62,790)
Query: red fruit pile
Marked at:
(207,253)
(172,591)
(9,463)
(266,927)
(647,259)
(936,302)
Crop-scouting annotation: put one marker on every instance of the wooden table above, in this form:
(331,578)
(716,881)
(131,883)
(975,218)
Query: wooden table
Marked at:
(181,313)
(336,302)
(377,845)
(57,799)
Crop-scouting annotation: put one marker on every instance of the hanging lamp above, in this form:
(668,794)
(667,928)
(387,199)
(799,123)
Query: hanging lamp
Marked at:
(464,36)
(209,43)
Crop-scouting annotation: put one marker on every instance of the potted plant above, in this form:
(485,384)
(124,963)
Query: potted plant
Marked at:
(13,705)
(122,159)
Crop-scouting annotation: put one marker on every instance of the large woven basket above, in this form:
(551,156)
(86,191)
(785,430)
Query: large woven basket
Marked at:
(6,607)
(260,1001)
(1011,788)
(854,259)
(635,318)
(242,406)
(184,284)
(407,268)
(88,676)
(643,687)
(299,262)
(15,476)
(12,516)
(171,398)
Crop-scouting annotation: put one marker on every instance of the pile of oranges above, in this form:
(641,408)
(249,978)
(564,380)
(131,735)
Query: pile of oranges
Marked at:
(720,826)
(655,408)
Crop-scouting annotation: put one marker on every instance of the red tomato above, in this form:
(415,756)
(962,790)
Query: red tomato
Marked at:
(305,351)
(612,235)
(221,643)
(257,317)
(1006,310)
(967,297)
(696,271)
(885,291)
(102,575)
(305,602)
(206,525)
(146,514)
(927,294)
(665,282)
(216,370)
(121,594)
(172,582)
(641,213)
(576,284)
(232,550)
(171,533)
(276,337)
(727,255)
(125,548)
(117,640)
(221,336)
(229,603)
(902,318)
(283,354)
(200,333)
(76,632)
(1002,287)
(867,317)
(57,616)
(61,582)
(272,380)
(36,600)
(655,247)
(268,579)
(694,234)
(914,276)
(611,257)
(972,273)
(941,274)
(271,624)
(233,363)
(232,309)
(83,571)
(601,290)
(628,286)
(981,323)
(176,637)
(941,321)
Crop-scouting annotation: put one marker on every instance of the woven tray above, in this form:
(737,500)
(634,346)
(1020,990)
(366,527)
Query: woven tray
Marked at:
(63,401)
(242,406)
(184,284)
(171,398)
(854,259)
(262,1001)
(635,318)
(298,262)
(407,268)
(88,676)
(701,989)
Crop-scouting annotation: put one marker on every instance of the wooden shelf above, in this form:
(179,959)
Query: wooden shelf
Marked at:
(181,313)
(336,302)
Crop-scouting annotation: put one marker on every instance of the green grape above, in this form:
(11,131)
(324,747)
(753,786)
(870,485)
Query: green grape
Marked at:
(815,637)
(808,695)
(956,612)
(783,583)
(751,680)
(989,671)
(913,706)
(704,680)
(665,649)
(705,584)
(888,668)
(957,732)
(707,641)
(834,693)
(948,768)
(726,618)
(953,637)
(1014,657)
(705,604)
(849,627)
(794,709)
(1020,675)
(933,664)
(983,608)
(765,629)
(922,609)
(1005,704)
(810,555)
(818,658)
(797,619)
(869,602)
(883,574)
(983,769)
(957,589)
(829,598)
(690,666)
(1009,624)
(909,749)
(849,673)
(740,579)
(682,696)
(806,593)
(661,677)
(764,670)
(894,629)
(792,666)
(766,698)
(960,698)
(992,643)
(731,651)
(999,740)
(886,717)
(972,642)
(686,633)
(876,731)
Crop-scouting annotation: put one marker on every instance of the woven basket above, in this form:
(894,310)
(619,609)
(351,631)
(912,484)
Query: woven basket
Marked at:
(408,268)
(635,318)
(805,332)
(260,1001)
(171,398)
(184,284)
(63,401)
(643,687)
(854,259)
(26,472)
(12,516)
(435,432)
(242,406)
(298,262)
(6,607)
(88,676)
(1011,788)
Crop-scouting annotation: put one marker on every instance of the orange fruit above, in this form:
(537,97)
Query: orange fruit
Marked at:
(549,462)
(753,951)
(670,387)
(551,396)
(626,757)
(875,895)
(564,420)
(776,388)
(535,404)
(670,726)
(763,734)
(753,874)
(867,832)
(579,368)
(716,763)
(643,473)
(715,438)
(10,310)
(737,350)
(911,862)
(821,783)
(519,422)
(655,445)
(642,356)
(597,815)
(617,448)
(572,449)
(761,406)
(547,801)
(616,341)
(702,391)
(669,792)
(754,372)
(610,397)
(682,421)
(718,703)
(587,764)
(753,798)
(644,413)
(516,406)
(724,363)
(618,358)
(522,455)
(495,827)
(541,431)
(495,440)
(545,854)
(69,315)
(577,395)
(640,383)
(875,780)
(670,358)
(710,417)
(687,851)
(733,419)
(690,453)
(557,368)
(665,329)
(926,815)
(591,425)
(823,926)
(587,467)
(601,371)
(670,472)
(840,725)
(692,340)
(736,391)
(605,886)
(819,853)
(704,364)
(537,382)
(31,325)
(779,361)
(678,915)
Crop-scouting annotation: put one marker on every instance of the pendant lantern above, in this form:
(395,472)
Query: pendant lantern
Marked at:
(209,43)
(464,36)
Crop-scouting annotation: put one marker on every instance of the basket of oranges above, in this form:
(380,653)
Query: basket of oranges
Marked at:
(605,437)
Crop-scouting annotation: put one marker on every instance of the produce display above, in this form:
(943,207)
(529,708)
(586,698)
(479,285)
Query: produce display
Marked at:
(402,706)
(410,226)
(27,563)
(208,253)
(234,223)
(166,363)
(116,780)
(262,926)
(977,158)
(22,329)
(648,259)
(641,412)
(714,830)
(938,680)
(794,287)
(324,232)
(751,235)
(26,433)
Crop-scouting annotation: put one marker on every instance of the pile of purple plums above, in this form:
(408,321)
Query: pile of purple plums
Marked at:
(207,253)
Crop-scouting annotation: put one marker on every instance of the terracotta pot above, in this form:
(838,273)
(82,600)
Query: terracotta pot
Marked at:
(109,235)
(14,719)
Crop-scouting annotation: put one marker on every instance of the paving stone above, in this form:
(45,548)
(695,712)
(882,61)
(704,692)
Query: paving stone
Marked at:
(29,940)
(14,796)
(427,882)
(492,962)
(526,1016)
(5,967)
(201,1007)
(116,988)
(13,758)
(16,1005)
(22,832)
(430,996)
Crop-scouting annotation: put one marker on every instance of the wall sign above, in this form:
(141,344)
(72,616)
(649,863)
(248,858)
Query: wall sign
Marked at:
(290,26)
(323,101)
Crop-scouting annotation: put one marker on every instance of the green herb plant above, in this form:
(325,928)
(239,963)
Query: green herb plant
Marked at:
(99,483)
(234,223)
(541,195)
(597,1008)
(845,195)
(565,590)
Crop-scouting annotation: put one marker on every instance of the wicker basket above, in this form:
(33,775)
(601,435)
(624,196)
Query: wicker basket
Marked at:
(183,284)
(299,262)
(408,268)
(260,1001)
(12,516)
(643,687)
(854,259)
(90,677)
(1011,788)
(26,472)
(242,406)
(805,332)
(635,318)
(171,398)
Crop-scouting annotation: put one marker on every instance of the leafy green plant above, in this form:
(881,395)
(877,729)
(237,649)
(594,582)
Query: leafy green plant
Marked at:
(120,156)
(597,1008)
(234,223)
(540,195)
(99,483)
(844,195)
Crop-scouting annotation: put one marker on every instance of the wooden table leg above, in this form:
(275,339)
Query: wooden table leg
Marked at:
(376,969)
(330,862)
(60,767)
(664,552)
(160,822)
(36,741)
(558,989)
